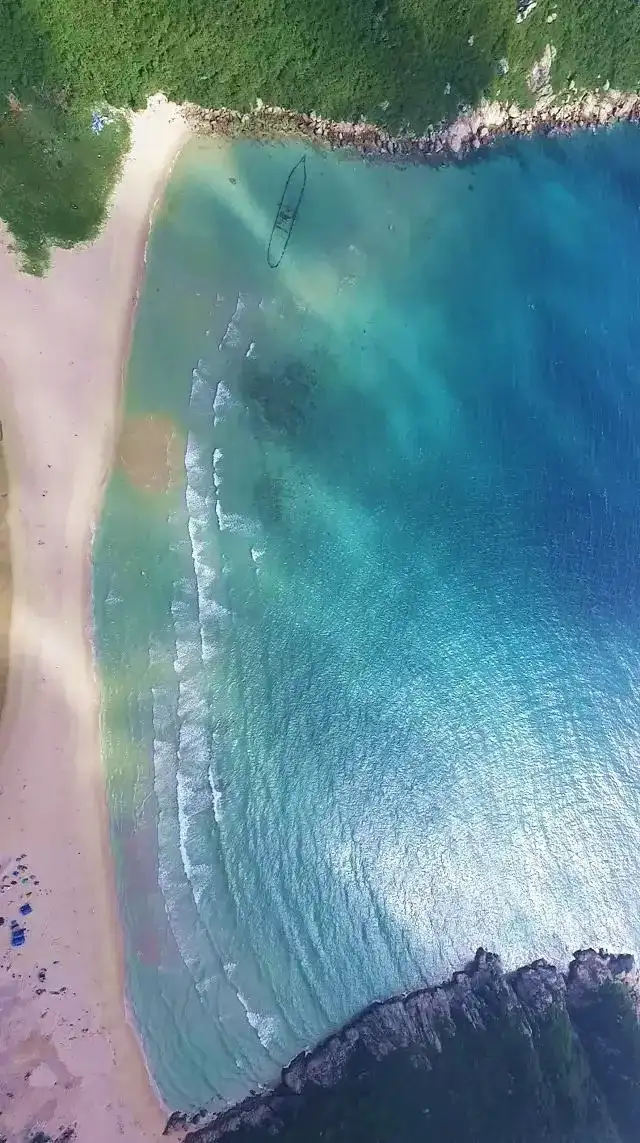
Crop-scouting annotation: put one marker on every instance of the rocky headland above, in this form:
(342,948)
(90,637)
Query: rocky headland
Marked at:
(549,115)
(567,1043)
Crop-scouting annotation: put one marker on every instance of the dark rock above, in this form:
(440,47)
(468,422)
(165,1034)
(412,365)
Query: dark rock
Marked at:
(65,1136)
(423,1021)
(177,1121)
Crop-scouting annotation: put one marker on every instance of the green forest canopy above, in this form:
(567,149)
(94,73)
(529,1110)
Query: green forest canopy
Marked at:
(403,62)
(338,57)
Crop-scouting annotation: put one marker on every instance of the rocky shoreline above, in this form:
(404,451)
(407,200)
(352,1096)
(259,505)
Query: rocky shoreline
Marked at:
(426,1017)
(472,130)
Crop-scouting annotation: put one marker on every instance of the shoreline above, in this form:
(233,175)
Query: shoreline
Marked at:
(168,160)
(70,1057)
(412,1020)
(472,130)
(76,1034)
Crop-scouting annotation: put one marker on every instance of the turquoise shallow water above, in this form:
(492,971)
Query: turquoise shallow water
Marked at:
(371,656)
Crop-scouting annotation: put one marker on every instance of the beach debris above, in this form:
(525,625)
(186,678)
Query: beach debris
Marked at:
(15,868)
(98,123)
(65,1136)
(18,936)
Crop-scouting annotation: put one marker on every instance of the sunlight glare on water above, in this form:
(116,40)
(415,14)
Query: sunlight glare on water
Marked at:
(366,590)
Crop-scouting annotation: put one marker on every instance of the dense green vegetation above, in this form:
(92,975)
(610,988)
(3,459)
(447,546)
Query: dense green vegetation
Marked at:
(551,1081)
(608,1028)
(55,177)
(402,62)
(340,57)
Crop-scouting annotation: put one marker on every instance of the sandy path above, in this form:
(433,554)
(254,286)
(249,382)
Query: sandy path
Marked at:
(67,1055)
(5,573)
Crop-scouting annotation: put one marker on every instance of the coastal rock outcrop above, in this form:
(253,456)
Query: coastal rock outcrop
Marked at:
(535,1009)
(490,121)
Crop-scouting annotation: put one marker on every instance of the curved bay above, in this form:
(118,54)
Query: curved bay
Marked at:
(370,653)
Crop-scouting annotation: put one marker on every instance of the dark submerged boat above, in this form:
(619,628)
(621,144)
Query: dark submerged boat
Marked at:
(287,212)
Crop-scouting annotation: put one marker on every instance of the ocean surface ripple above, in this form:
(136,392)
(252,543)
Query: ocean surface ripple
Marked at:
(368,615)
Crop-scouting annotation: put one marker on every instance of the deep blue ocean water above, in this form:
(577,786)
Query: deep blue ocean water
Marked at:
(366,590)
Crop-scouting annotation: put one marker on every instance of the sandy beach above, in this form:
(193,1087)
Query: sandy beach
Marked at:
(68,1056)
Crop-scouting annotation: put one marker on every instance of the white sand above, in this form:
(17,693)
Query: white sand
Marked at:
(66,1058)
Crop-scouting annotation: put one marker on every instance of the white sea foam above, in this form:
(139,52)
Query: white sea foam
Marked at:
(217,797)
(201,498)
(231,336)
(234,522)
(217,475)
(112,599)
(185,773)
(267,1027)
(201,396)
(186,809)
(200,495)
(222,402)
(173,860)
(180,744)
(180,729)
